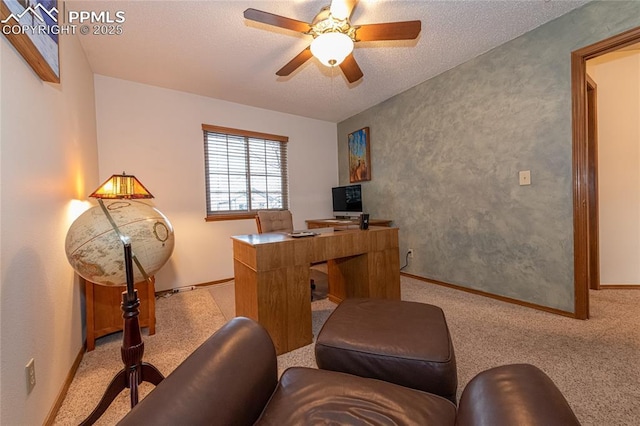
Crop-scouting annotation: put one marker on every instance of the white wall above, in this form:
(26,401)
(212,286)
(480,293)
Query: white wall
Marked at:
(617,76)
(156,134)
(49,158)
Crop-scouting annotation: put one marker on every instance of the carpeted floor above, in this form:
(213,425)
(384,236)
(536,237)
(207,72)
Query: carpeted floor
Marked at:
(183,322)
(596,363)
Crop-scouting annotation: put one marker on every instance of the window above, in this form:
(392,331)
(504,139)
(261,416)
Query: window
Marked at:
(244,171)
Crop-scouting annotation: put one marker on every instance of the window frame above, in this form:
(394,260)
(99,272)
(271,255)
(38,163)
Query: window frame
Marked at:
(246,134)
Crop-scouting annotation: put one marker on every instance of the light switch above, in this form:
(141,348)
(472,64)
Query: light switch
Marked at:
(525,177)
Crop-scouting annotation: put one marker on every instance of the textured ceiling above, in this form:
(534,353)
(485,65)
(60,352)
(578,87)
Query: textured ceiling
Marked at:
(208,48)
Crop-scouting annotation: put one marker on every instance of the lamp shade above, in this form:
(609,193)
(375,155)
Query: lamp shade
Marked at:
(121,186)
(331,48)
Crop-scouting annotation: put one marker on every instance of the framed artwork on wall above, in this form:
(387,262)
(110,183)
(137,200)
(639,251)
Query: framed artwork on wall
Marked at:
(32,27)
(359,155)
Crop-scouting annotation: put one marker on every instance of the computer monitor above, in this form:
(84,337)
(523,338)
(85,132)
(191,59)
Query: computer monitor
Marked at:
(347,201)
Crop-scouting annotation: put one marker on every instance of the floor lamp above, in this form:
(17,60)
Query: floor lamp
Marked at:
(135,371)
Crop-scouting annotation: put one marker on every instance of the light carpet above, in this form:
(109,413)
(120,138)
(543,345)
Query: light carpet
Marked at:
(183,322)
(595,363)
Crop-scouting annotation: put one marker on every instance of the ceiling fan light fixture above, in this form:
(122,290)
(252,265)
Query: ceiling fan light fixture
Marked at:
(331,48)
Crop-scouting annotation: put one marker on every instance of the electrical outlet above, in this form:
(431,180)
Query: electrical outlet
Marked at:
(410,253)
(30,369)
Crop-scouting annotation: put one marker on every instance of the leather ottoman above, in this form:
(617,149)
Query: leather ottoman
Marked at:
(405,343)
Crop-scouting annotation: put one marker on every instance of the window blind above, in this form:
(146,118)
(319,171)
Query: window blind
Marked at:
(245,171)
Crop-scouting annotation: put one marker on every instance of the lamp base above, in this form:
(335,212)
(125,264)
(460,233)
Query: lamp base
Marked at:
(135,371)
(145,372)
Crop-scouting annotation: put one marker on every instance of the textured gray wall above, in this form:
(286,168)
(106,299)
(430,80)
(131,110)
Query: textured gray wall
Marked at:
(446,155)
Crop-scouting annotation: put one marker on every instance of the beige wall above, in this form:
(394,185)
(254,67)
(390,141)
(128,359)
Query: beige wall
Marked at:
(156,134)
(49,159)
(617,76)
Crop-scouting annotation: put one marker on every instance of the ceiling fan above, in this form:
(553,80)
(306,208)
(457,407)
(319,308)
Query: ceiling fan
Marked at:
(334,36)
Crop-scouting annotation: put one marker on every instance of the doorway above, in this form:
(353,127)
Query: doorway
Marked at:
(583,167)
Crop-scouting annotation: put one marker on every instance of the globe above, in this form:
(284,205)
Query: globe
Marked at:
(96,252)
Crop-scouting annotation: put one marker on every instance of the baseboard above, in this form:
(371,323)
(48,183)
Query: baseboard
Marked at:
(619,286)
(461,288)
(222,281)
(492,296)
(51,417)
(208,283)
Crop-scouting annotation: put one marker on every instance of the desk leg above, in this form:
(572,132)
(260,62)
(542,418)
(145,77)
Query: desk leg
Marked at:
(299,306)
(384,273)
(279,300)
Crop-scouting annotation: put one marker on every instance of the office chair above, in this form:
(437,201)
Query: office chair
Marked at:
(280,221)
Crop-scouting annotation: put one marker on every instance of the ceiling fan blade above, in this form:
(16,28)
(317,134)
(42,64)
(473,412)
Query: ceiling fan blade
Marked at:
(296,62)
(351,69)
(342,9)
(406,30)
(276,20)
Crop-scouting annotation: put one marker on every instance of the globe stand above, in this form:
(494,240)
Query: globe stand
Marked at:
(135,371)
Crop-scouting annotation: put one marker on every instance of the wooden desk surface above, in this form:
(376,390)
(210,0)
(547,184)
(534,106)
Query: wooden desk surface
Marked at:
(277,237)
(280,250)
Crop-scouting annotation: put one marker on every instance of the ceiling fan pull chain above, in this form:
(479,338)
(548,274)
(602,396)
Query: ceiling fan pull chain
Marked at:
(333,97)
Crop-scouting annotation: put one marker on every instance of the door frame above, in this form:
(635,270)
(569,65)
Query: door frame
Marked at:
(582,199)
(593,216)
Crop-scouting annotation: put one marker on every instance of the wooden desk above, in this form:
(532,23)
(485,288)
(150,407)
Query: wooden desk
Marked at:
(344,223)
(104,315)
(272,276)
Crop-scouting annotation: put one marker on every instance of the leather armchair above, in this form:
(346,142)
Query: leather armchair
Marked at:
(232,380)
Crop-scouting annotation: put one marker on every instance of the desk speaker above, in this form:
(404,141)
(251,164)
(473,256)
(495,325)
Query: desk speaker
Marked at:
(364,221)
